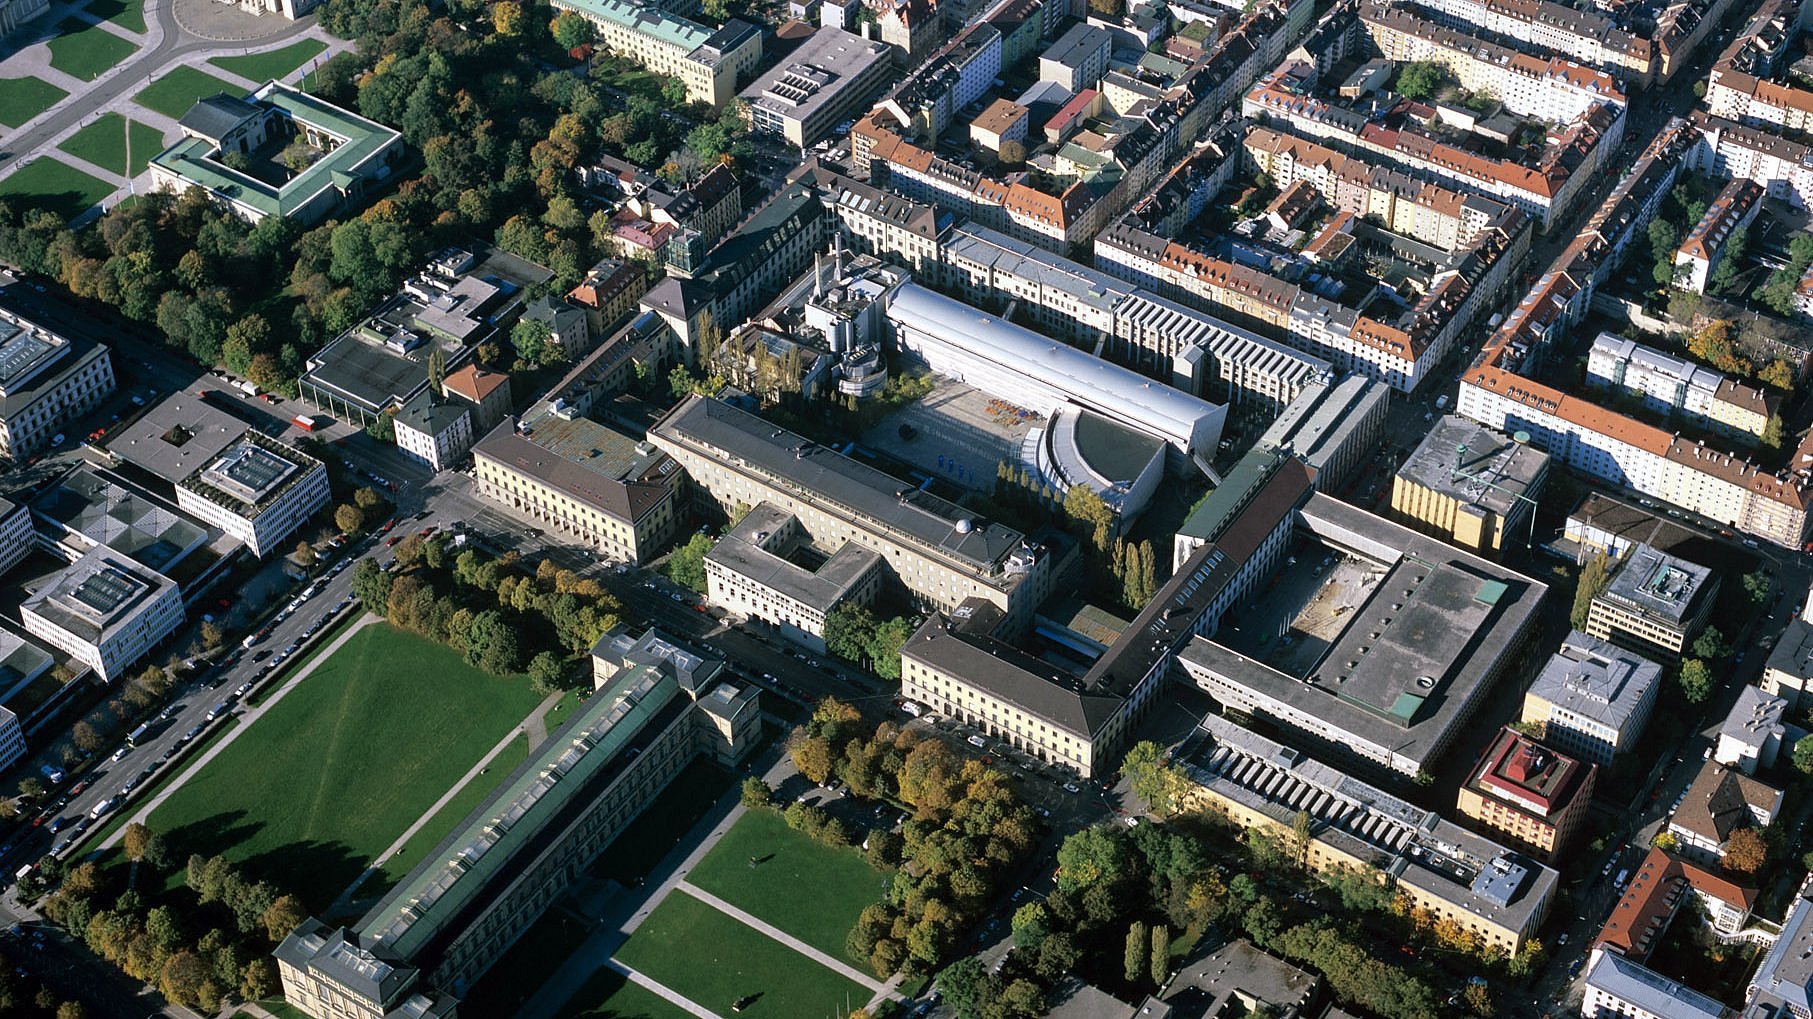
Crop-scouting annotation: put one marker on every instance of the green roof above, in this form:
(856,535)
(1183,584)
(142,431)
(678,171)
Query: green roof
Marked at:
(652,22)
(361,139)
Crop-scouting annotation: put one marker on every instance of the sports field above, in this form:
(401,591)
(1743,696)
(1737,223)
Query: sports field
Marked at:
(713,959)
(810,890)
(345,762)
(173,94)
(103,143)
(262,67)
(21,99)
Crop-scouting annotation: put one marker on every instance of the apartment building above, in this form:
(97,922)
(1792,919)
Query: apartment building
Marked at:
(1535,796)
(1735,206)
(877,221)
(1720,801)
(1658,888)
(1482,887)
(1078,59)
(105,610)
(1593,698)
(1679,388)
(1656,602)
(1784,979)
(1748,84)
(712,63)
(754,571)
(46,380)
(1788,671)
(433,430)
(1621,988)
(1752,733)
(1782,166)
(609,293)
(1586,36)
(830,77)
(942,554)
(485,393)
(618,496)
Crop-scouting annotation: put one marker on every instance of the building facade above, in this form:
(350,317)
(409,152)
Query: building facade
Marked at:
(258,490)
(1656,601)
(105,611)
(751,572)
(712,64)
(1593,698)
(46,379)
(1533,795)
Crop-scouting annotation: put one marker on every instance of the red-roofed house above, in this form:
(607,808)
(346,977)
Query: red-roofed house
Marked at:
(1657,890)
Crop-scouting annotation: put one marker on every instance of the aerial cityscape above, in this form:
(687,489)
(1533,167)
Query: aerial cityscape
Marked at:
(873,509)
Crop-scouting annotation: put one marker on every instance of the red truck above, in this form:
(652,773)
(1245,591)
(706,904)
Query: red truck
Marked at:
(308,422)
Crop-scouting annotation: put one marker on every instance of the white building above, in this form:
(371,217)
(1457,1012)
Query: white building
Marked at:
(46,379)
(434,430)
(1078,59)
(1593,698)
(751,572)
(16,534)
(1736,205)
(1751,735)
(1622,988)
(1783,167)
(1674,386)
(105,611)
(831,77)
(257,490)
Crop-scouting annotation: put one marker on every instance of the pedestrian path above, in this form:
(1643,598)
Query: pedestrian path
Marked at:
(674,997)
(751,920)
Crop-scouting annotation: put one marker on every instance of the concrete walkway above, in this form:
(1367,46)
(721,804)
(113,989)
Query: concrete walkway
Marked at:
(246,718)
(674,997)
(750,919)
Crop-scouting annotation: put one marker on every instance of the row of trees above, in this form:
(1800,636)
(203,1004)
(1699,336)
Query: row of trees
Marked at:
(854,634)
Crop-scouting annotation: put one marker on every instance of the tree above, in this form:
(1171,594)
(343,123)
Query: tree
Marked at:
(1419,79)
(545,672)
(1031,926)
(72,1010)
(529,336)
(1696,680)
(1160,959)
(1745,851)
(1110,9)
(1803,755)
(1089,856)
(757,793)
(849,630)
(1757,586)
(884,649)
(1663,240)
(371,584)
(1778,374)
(1137,951)
(1710,644)
(1774,432)
(349,519)
(813,756)
(85,737)
(686,566)
(284,915)
(135,838)
(305,553)
(211,635)
(1594,579)
(570,30)
(1153,780)
(964,983)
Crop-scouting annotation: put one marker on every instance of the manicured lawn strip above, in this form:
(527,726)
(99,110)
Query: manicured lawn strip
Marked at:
(321,643)
(715,959)
(173,94)
(262,67)
(86,51)
(103,143)
(398,867)
(21,99)
(128,14)
(655,833)
(56,186)
(812,891)
(515,977)
(344,762)
(611,995)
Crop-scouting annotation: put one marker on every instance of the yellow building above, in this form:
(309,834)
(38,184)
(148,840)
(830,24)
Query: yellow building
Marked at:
(1655,600)
(1470,485)
(710,63)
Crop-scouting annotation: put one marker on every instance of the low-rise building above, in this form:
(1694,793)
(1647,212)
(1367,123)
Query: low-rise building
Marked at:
(609,293)
(1078,59)
(1658,888)
(1002,121)
(486,394)
(1470,485)
(1621,988)
(1655,601)
(105,611)
(1603,525)
(1459,877)
(831,77)
(350,154)
(567,326)
(1788,672)
(1720,801)
(757,570)
(1534,795)
(46,380)
(1593,698)
(711,62)
(1751,735)
(1236,978)
(433,430)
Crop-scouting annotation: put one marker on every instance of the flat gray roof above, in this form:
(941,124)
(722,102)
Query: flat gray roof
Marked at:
(1648,990)
(1473,464)
(177,436)
(1660,585)
(1596,679)
(746,551)
(97,594)
(816,73)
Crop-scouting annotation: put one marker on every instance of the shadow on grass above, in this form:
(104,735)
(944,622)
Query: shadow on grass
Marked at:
(313,871)
(605,983)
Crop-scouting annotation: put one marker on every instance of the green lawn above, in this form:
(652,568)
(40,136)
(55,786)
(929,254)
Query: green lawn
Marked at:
(103,143)
(812,891)
(128,14)
(464,802)
(344,762)
(611,995)
(262,67)
(654,833)
(84,51)
(715,959)
(50,184)
(173,94)
(21,99)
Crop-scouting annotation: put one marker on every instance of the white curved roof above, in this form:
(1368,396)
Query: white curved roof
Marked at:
(1089,380)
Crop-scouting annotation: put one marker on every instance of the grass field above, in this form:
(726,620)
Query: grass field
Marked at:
(654,833)
(714,959)
(103,143)
(21,99)
(262,67)
(128,14)
(51,184)
(173,94)
(812,891)
(610,995)
(338,768)
(85,51)
(398,867)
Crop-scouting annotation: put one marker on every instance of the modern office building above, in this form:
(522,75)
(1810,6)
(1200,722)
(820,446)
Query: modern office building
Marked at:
(1655,601)
(1486,889)
(1752,733)
(831,77)
(433,430)
(17,536)
(1469,485)
(105,611)
(1621,988)
(618,496)
(444,924)
(1535,796)
(1720,801)
(351,154)
(46,380)
(712,63)
(941,553)
(764,569)
(1593,698)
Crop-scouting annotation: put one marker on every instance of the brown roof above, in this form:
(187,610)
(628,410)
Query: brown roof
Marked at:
(474,383)
(1653,895)
(1720,801)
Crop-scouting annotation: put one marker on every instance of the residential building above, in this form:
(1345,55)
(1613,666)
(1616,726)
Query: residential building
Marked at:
(1782,985)
(1781,165)
(105,611)
(877,221)
(1004,120)
(1470,485)
(756,571)
(1658,888)
(567,326)
(433,429)
(1403,674)
(1751,735)
(1535,796)
(1485,889)
(831,77)
(1720,801)
(479,889)
(1733,209)
(1593,698)
(941,553)
(46,380)
(618,496)
(1621,988)
(1788,671)
(1680,388)
(609,293)
(17,535)
(1587,36)
(711,63)
(1655,601)
(352,155)
(1078,59)
(486,393)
